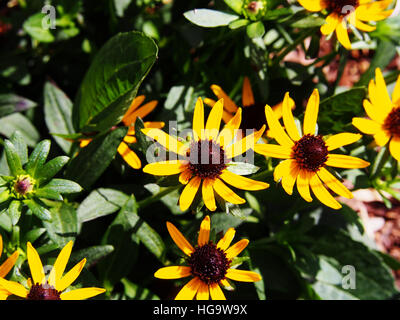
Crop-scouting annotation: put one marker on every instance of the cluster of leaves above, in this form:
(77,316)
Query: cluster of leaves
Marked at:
(81,78)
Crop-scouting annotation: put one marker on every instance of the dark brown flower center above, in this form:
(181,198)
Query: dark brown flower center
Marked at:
(209,263)
(206,159)
(310,152)
(392,122)
(253,117)
(342,7)
(43,292)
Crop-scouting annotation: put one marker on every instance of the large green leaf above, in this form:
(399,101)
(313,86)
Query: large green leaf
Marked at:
(58,114)
(92,160)
(112,81)
(209,18)
(10,103)
(17,121)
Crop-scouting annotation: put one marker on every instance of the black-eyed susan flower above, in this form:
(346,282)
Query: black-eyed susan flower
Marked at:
(54,287)
(307,155)
(252,112)
(5,268)
(384,114)
(344,12)
(209,264)
(205,160)
(129,119)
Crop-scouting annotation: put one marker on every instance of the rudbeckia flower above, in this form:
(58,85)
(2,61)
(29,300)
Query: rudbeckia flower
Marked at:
(344,12)
(206,159)
(209,264)
(52,288)
(128,120)
(308,154)
(384,114)
(5,268)
(252,112)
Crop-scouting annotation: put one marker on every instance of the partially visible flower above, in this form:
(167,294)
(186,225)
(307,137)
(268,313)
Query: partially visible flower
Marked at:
(344,12)
(307,154)
(206,159)
(54,287)
(5,268)
(252,112)
(384,114)
(129,119)
(209,264)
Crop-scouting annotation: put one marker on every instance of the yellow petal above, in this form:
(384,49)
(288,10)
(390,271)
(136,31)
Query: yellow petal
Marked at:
(366,126)
(198,119)
(242,275)
(273,150)
(374,111)
(360,25)
(141,112)
(165,168)
(226,240)
(202,292)
(244,144)
(381,138)
(384,99)
(342,34)
(241,182)
(322,194)
(228,103)
(247,93)
(303,185)
(204,233)
(81,294)
(226,193)
(276,129)
(179,239)
(341,139)
(216,292)
(8,264)
(188,193)
(334,184)
(313,5)
(35,264)
(167,141)
(344,161)
(14,287)
(70,276)
(229,131)
(288,119)
(236,249)
(189,290)
(394,148)
(130,139)
(60,264)
(289,180)
(173,272)
(311,114)
(283,168)
(208,194)
(134,105)
(396,93)
(185,176)
(278,108)
(1,245)
(214,120)
(330,25)
(373,11)
(129,156)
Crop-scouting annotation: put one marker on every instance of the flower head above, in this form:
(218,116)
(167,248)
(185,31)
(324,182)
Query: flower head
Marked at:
(205,160)
(5,268)
(353,12)
(209,264)
(129,119)
(52,288)
(384,114)
(308,154)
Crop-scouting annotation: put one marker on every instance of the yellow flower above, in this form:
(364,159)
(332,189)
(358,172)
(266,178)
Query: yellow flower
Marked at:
(353,12)
(209,264)
(252,112)
(128,120)
(5,269)
(384,114)
(52,288)
(308,155)
(207,158)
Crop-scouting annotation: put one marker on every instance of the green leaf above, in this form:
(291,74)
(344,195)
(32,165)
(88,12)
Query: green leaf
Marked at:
(13,160)
(38,210)
(112,81)
(236,24)
(94,159)
(14,211)
(242,168)
(99,203)
(58,114)
(51,168)
(33,26)
(255,29)
(121,6)
(235,5)
(309,22)
(10,103)
(38,158)
(64,224)
(92,254)
(209,18)
(18,122)
(20,146)
(62,186)
(136,292)
(48,194)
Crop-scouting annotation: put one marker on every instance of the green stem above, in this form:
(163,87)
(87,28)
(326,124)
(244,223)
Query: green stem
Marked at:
(380,160)
(155,197)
